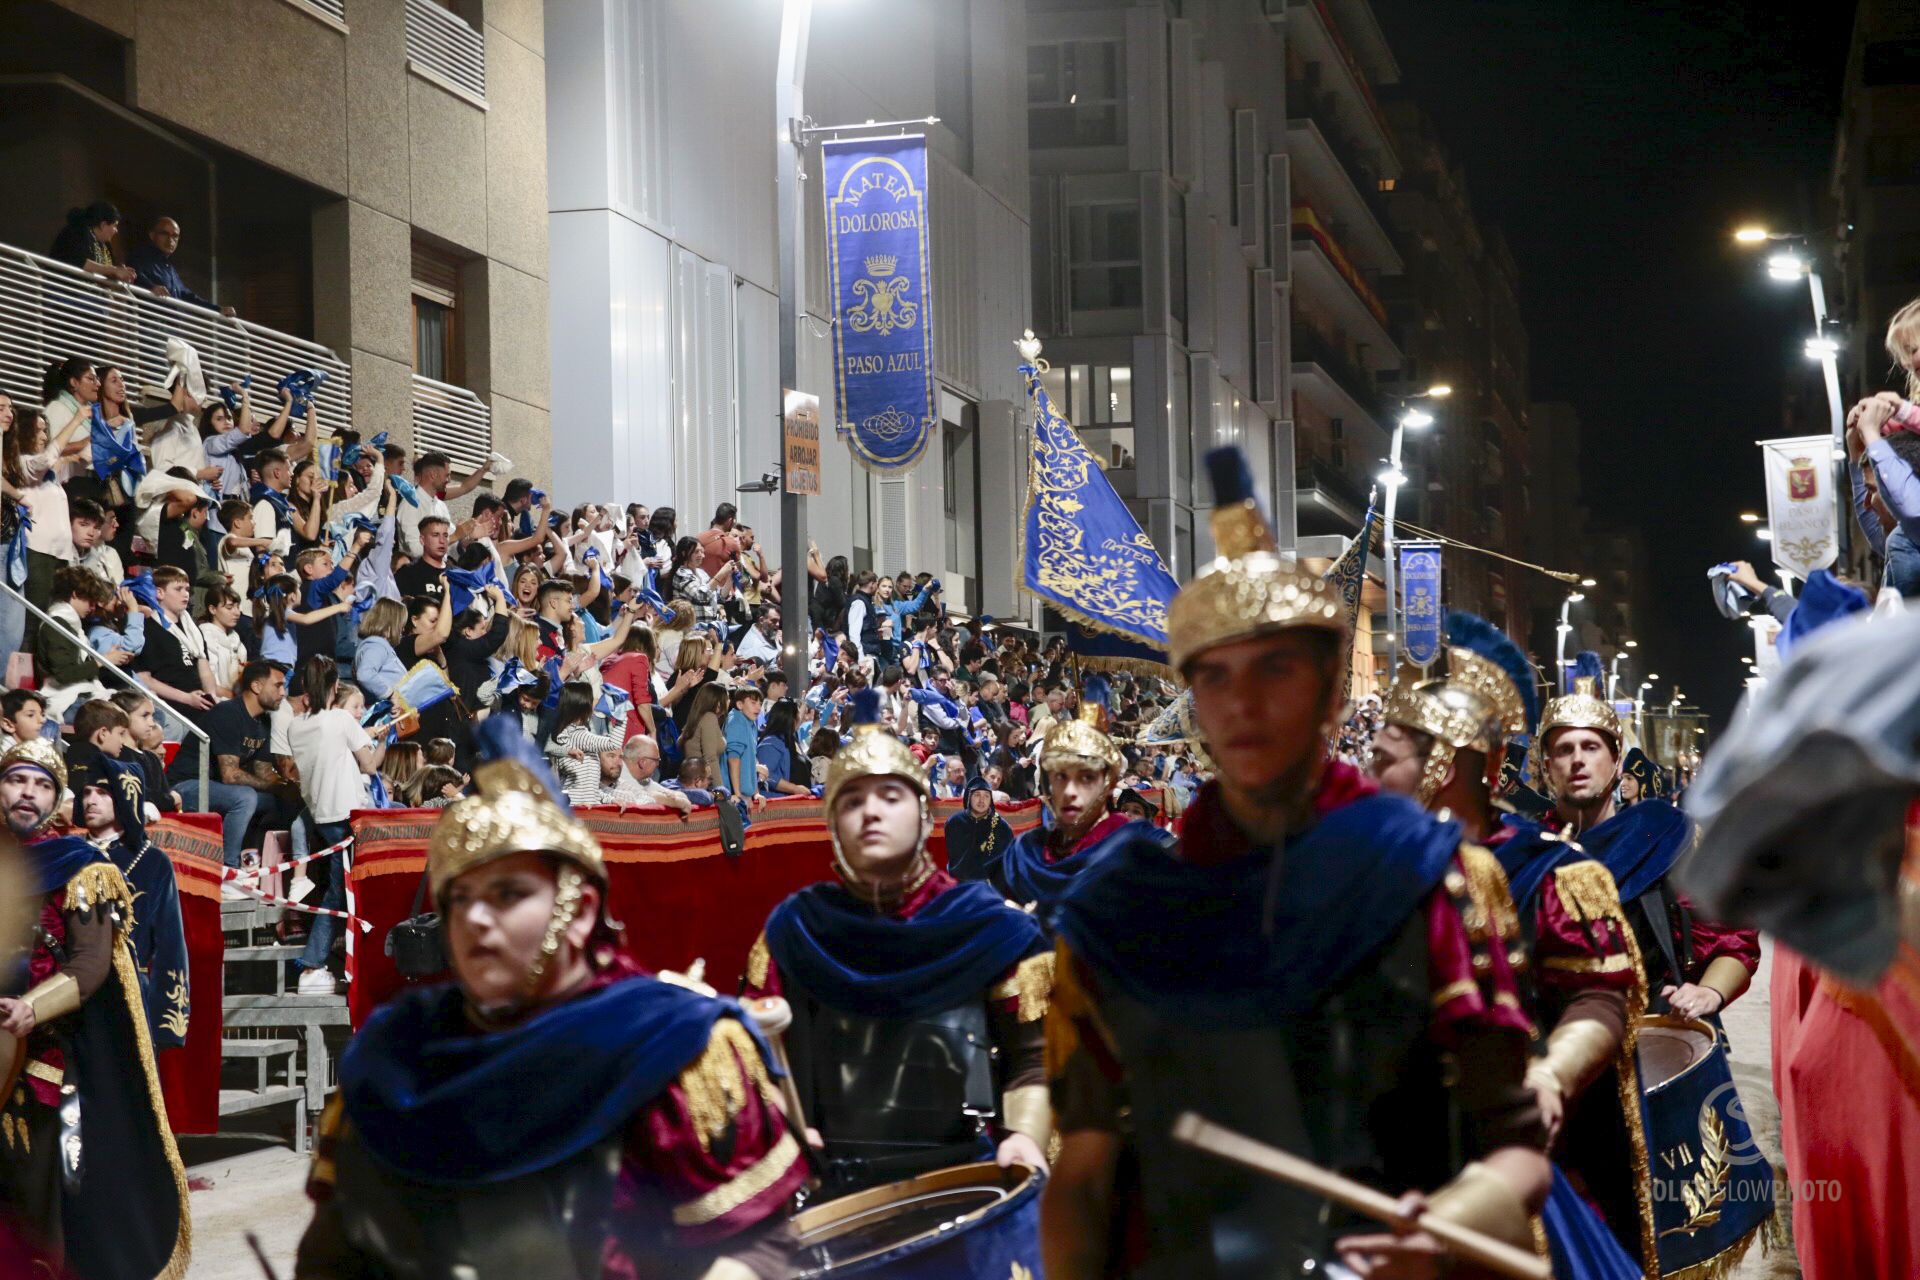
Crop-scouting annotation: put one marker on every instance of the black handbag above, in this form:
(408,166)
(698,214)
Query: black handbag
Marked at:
(418,947)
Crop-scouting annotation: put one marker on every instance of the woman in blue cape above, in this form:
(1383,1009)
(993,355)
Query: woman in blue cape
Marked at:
(917,999)
(553,1111)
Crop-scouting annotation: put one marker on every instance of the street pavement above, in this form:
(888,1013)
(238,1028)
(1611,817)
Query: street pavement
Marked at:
(261,1188)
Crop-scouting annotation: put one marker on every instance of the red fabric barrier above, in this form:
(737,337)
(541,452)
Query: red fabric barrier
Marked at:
(190,1076)
(680,897)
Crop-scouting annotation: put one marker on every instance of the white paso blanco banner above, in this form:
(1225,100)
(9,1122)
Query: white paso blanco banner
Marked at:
(1803,511)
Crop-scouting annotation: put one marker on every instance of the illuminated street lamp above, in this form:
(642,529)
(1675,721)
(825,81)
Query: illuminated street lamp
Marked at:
(1562,632)
(1791,262)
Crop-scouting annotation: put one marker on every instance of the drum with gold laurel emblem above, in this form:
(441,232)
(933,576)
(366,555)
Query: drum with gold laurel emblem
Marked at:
(1712,1185)
(970,1222)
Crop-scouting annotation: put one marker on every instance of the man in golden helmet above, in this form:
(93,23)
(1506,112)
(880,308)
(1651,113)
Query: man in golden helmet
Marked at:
(1274,942)
(917,999)
(1443,742)
(553,1110)
(1081,767)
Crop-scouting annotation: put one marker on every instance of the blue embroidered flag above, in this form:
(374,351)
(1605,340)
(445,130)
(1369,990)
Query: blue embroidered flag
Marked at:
(1420,611)
(1084,553)
(1349,575)
(880,268)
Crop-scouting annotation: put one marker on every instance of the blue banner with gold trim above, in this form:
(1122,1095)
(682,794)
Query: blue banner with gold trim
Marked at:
(1083,553)
(1421,617)
(879,261)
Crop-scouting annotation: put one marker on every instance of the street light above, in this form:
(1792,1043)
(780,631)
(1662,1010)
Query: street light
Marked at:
(1763,533)
(1749,517)
(1633,644)
(1411,417)
(1589,583)
(1562,632)
(1793,262)
(1613,675)
(789,114)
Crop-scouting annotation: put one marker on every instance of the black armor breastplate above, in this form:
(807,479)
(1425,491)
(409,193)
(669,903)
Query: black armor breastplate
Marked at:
(553,1224)
(893,1097)
(1353,1085)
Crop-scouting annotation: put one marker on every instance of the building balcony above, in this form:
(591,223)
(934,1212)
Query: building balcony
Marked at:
(454,421)
(1327,500)
(1324,275)
(50,311)
(1318,40)
(1322,163)
(1326,379)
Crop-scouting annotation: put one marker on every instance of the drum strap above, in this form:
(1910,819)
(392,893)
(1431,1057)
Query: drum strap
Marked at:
(1653,904)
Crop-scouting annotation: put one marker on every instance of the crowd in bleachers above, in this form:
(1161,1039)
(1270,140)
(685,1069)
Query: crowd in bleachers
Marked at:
(314,611)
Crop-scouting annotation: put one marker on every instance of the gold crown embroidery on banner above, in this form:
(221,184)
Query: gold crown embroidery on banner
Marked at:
(881,264)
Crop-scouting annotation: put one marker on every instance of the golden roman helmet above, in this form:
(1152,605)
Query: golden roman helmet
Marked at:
(1582,709)
(874,752)
(40,754)
(1249,590)
(1456,717)
(511,811)
(1083,743)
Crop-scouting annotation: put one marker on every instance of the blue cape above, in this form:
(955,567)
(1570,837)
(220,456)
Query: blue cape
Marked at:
(852,958)
(57,859)
(1639,845)
(439,1103)
(1189,942)
(1027,876)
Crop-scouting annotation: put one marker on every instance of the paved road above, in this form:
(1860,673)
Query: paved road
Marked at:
(1747,1030)
(260,1189)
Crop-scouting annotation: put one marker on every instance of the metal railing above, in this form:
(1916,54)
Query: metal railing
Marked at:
(452,420)
(201,798)
(50,311)
(443,47)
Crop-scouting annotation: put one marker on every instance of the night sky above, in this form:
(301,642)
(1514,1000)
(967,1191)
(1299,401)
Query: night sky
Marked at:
(1617,144)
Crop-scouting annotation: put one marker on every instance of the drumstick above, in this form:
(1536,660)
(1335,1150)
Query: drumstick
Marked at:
(1474,1246)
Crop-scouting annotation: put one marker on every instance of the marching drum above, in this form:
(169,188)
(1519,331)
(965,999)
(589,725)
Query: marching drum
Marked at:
(970,1222)
(1712,1186)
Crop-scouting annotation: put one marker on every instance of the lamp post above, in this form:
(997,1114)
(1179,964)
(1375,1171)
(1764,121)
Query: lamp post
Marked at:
(1640,710)
(1393,477)
(796,19)
(1560,636)
(1791,261)
(1613,675)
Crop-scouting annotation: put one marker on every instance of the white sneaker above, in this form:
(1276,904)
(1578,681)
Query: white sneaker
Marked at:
(314,982)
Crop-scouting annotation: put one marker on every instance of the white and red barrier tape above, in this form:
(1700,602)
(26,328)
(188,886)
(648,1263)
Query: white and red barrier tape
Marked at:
(246,880)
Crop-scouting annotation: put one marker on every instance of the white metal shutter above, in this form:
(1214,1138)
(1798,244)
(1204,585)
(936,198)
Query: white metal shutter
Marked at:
(1265,327)
(1280,217)
(890,539)
(1246,176)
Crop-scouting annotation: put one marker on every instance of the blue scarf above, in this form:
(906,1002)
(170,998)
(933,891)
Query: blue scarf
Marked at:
(1639,845)
(1029,877)
(404,487)
(17,547)
(140,584)
(439,1103)
(850,957)
(282,505)
(1190,942)
(1529,854)
(464,584)
(52,862)
(116,450)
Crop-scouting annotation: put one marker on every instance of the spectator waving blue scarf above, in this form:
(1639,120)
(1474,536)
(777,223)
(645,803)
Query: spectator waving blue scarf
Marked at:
(404,487)
(140,583)
(351,454)
(282,505)
(552,668)
(464,584)
(231,398)
(934,698)
(512,678)
(116,451)
(592,556)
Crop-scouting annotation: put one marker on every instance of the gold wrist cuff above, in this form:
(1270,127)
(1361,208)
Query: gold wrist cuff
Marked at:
(1028,1110)
(1577,1052)
(1728,977)
(54,998)
(1482,1199)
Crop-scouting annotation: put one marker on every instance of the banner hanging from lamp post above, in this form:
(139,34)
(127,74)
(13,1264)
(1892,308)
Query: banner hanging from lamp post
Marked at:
(1420,612)
(880,264)
(1803,513)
